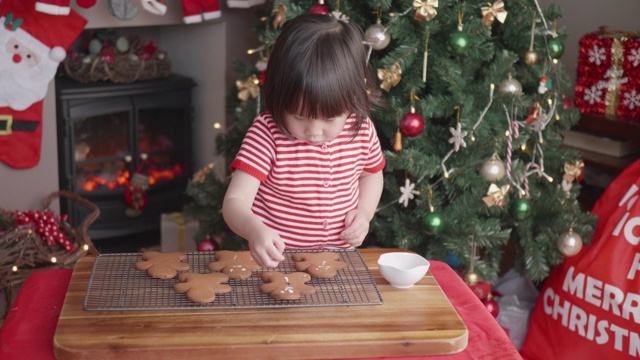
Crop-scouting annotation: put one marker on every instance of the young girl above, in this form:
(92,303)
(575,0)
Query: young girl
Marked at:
(309,171)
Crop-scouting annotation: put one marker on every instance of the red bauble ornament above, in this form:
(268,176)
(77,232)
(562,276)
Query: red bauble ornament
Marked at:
(206,245)
(412,124)
(491,305)
(319,8)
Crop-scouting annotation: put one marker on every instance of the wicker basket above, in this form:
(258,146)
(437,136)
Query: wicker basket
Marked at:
(125,68)
(25,250)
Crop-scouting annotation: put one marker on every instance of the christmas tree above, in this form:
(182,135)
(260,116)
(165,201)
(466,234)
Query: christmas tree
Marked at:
(472,129)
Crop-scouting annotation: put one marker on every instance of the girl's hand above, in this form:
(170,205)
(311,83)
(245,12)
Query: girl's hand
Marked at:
(266,248)
(356,228)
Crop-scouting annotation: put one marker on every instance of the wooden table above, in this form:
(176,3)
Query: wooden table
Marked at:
(411,322)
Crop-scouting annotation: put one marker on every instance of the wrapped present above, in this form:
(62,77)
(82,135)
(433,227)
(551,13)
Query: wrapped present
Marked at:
(177,232)
(608,75)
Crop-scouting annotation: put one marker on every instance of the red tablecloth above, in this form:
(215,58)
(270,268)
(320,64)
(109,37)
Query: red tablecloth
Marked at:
(28,330)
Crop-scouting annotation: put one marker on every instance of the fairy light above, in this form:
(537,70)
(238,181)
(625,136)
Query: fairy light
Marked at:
(14,268)
(446,174)
(555,61)
(473,138)
(85,247)
(217,125)
(523,147)
(53,260)
(506,133)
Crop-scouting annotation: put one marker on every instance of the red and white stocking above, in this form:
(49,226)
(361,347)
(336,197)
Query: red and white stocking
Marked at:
(195,11)
(61,7)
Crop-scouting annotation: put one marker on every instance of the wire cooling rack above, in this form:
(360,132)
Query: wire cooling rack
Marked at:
(116,284)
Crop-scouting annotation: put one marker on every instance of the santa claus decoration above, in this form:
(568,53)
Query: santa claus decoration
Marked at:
(195,11)
(32,44)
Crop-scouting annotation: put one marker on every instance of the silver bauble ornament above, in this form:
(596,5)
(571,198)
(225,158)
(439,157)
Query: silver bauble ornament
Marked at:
(510,86)
(378,36)
(530,57)
(570,243)
(492,170)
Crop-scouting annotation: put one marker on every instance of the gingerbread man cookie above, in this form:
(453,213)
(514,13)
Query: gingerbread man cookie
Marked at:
(236,264)
(202,288)
(324,265)
(286,286)
(161,265)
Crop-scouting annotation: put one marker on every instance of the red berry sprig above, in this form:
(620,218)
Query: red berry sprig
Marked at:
(46,224)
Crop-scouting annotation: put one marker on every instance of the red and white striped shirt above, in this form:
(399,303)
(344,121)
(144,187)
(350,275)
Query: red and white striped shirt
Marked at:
(306,190)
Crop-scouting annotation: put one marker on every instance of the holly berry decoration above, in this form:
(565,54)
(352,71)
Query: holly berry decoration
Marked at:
(491,305)
(412,124)
(319,8)
(207,244)
(556,48)
(46,225)
(434,223)
(520,208)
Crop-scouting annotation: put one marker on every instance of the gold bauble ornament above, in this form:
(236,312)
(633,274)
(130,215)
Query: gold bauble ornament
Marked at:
(471,278)
(531,57)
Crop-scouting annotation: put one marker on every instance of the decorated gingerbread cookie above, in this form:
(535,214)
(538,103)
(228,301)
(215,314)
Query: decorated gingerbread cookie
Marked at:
(161,265)
(202,288)
(286,286)
(324,265)
(236,264)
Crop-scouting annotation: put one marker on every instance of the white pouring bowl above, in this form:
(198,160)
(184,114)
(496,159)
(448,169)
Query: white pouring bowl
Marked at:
(401,269)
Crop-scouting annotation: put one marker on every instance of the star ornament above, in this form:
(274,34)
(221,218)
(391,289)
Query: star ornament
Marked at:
(408,191)
(458,137)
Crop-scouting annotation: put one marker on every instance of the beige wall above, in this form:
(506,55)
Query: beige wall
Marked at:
(204,51)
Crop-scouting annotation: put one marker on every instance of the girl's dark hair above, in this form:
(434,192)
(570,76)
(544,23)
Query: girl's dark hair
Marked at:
(317,69)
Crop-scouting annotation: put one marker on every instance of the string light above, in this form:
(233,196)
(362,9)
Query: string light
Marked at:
(14,268)
(217,125)
(53,260)
(523,147)
(85,247)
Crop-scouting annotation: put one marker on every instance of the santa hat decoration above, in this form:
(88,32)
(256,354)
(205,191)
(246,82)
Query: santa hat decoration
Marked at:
(42,32)
(61,7)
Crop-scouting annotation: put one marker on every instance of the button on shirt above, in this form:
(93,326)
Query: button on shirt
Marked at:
(306,190)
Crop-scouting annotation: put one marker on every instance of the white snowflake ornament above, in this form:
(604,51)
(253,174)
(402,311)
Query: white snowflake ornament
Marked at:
(593,95)
(408,192)
(634,57)
(632,99)
(597,55)
(340,16)
(458,137)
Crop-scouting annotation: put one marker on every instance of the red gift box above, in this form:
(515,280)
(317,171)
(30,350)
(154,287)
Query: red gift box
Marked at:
(608,75)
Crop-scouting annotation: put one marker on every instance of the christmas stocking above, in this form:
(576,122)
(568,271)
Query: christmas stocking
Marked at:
(122,9)
(194,11)
(32,44)
(61,7)
(157,7)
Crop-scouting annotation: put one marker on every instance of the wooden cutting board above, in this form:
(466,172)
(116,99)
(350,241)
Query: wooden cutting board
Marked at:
(411,322)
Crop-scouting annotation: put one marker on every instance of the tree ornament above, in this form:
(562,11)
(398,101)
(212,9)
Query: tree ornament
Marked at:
(510,86)
(377,36)
(458,42)
(471,278)
(492,12)
(573,171)
(520,208)
(495,195)
(458,137)
(408,191)
(544,85)
(319,8)
(248,88)
(491,305)
(390,77)
(280,16)
(207,244)
(531,57)
(397,144)
(434,223)
(492,170)
(412,123)
(570,243)
(556,48)
(425,10)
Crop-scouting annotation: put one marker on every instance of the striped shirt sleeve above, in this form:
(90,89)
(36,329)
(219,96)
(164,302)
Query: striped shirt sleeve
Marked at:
(375,161)
(257,152)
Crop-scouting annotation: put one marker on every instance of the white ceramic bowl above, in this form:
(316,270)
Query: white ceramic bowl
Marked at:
(402,269)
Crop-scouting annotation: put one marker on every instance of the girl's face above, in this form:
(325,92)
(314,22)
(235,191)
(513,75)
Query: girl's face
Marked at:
(315,131)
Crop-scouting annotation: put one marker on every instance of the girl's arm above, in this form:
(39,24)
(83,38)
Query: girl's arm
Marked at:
(357,221)
(265,244)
